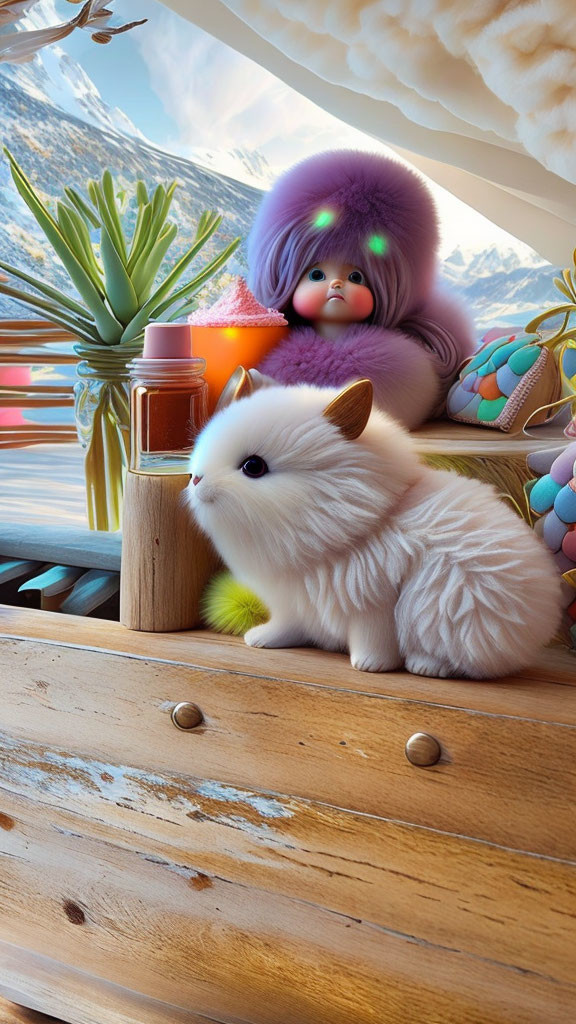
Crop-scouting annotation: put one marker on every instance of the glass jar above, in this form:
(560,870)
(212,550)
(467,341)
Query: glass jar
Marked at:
(169,407)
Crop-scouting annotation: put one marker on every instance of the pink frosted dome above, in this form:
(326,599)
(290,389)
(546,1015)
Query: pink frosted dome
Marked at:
(237,307)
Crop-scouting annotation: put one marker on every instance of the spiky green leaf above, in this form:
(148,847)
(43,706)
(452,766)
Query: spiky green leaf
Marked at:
(59,298)
(149,263)
(110,199)
(141,194)
(76,235)
(141,236)
(83,209)
(193,286)
(119,289)
(97,196)
(53,312)
(141,319)
(108,326)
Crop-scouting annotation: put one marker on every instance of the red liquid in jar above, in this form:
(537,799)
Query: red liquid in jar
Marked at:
(171,416)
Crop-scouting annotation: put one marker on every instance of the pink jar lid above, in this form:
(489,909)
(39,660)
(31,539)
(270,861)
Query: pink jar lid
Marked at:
(167,341)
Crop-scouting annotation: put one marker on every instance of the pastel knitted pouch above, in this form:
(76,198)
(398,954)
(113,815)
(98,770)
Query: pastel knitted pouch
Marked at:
(510,380)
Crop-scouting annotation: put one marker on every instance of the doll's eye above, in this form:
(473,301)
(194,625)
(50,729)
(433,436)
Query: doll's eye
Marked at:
(254,466)
(316,274)
(357,277)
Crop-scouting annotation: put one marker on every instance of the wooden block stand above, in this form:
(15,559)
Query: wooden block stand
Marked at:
(284,862)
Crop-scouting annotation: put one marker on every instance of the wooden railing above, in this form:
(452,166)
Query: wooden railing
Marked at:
(27,343)
(48,566)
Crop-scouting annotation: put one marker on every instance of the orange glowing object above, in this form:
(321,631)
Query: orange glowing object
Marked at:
(226,348)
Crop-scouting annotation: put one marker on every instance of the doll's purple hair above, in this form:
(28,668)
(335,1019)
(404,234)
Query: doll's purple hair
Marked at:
(361,208)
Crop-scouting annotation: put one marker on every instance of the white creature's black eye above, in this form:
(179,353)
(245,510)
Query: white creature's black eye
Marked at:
(356,277)
(254,466)
(316,274)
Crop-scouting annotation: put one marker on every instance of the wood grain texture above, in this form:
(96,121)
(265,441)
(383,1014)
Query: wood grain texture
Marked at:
(284,863)
(508,780)
(221,949)
(444,890)
(166,560)
(13,1013)
(76,997)
(546,691)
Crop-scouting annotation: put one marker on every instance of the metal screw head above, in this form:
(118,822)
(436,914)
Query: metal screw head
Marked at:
(423,750)
(187,716)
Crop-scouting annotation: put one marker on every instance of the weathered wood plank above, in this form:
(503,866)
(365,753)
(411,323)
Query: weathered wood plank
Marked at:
(13,1013)
(546,691)
(234,953)
(76,996)
(507,780)
(64,545)
(445,890)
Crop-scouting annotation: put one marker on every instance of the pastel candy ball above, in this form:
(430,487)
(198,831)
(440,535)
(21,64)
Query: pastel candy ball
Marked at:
(502,355)
(487,368)
(507,379)
(468,382)
(543,494)
(569,544)
(553,531)
(564,503)
(562,469)
(541,462)
(523,360)
(488,411)
(480,358)
(458,399)
(489,388)
(471,409)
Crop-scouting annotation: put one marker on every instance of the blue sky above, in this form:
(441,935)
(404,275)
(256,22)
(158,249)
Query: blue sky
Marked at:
(119,70)
(187,92)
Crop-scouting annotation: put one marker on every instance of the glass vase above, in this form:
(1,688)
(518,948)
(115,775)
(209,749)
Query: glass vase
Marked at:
(102,411)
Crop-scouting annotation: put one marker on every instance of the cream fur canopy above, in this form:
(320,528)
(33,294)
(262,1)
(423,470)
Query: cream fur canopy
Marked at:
(480,95)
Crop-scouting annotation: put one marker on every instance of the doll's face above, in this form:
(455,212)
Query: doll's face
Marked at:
(333,292)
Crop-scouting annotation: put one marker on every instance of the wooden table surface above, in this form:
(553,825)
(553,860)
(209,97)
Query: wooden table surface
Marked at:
(12,1013)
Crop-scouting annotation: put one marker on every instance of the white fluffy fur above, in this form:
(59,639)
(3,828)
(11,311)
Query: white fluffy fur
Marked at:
(500,68)
(356,545)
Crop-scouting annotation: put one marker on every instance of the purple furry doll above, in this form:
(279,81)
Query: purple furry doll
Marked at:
(345,246)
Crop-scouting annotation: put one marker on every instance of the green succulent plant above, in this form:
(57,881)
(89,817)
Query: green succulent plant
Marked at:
(114,277)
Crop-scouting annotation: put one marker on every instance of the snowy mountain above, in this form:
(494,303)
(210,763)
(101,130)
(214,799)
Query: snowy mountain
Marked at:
(57,148)
(248,166)
(501,285)
(62,132)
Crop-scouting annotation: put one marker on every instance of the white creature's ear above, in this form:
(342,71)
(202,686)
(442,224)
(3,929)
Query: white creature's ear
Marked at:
(241,384)
(260,380)
(351,409)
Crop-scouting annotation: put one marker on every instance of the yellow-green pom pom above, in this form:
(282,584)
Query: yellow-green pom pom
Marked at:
(230,607)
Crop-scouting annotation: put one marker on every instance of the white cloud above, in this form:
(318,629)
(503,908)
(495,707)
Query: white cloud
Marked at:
(221,100)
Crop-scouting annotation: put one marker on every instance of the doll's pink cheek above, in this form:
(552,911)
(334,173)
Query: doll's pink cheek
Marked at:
(308,300)
(361,302)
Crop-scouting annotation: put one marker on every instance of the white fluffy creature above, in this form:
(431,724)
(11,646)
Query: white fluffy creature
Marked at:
(322,507)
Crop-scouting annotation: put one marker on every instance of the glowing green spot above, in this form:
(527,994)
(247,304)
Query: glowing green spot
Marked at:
(324,219)
(378,244)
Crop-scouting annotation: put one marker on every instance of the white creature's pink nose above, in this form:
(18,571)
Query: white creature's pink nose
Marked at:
(196,480)
(337,283)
